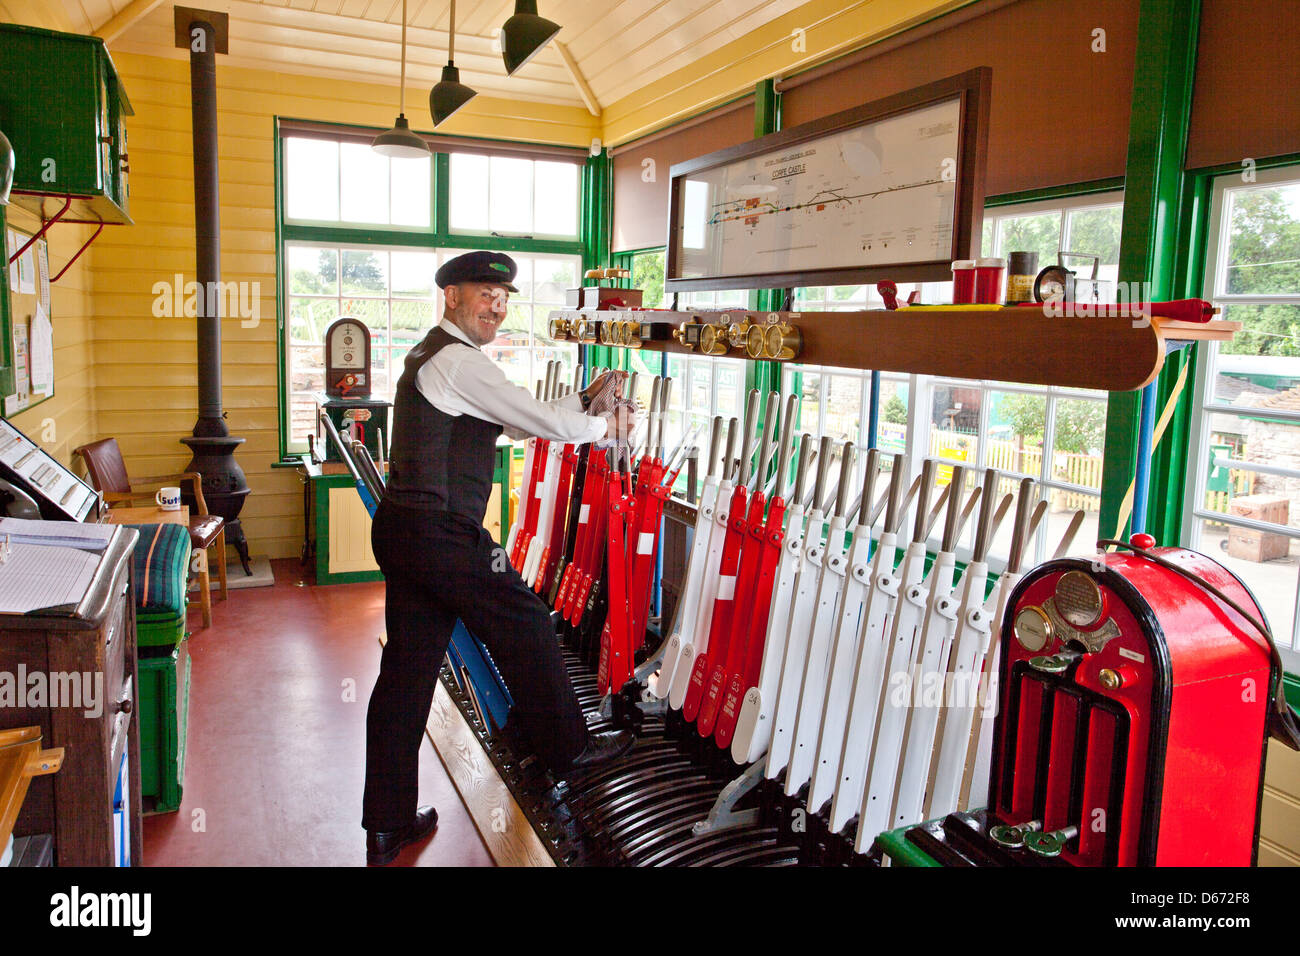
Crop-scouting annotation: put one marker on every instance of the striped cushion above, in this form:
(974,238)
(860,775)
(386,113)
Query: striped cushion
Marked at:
(162,557)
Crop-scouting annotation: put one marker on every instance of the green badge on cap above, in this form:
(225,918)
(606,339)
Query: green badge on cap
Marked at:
(499,266)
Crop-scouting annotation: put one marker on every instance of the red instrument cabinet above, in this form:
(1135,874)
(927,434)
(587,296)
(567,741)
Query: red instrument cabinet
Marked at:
(1132,713)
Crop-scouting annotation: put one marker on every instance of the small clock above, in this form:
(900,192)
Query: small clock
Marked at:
(347,359)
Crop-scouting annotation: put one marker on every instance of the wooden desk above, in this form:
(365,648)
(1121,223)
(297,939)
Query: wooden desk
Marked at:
(148,515)
(76,804)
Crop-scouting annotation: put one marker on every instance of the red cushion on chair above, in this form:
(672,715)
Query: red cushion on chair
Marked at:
(204,530)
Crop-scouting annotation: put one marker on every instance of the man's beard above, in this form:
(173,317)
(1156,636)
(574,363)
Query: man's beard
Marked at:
(468,323)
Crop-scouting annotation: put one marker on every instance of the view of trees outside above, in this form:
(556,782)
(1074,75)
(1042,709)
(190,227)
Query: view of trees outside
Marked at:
(1254,277)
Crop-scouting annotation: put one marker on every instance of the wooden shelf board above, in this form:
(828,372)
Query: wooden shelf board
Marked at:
(999,344)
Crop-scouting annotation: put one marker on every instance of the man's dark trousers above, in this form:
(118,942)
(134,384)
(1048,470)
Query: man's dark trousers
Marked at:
(439,567)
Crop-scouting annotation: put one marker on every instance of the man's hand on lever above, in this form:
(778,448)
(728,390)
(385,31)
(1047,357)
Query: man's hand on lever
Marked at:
(620,422)
(609,384)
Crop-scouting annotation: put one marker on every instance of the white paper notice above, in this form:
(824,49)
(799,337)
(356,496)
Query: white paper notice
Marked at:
(27,271)
(43,272)
(41,349)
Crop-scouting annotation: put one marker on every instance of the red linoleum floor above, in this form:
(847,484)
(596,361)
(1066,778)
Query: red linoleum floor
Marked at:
(276,756)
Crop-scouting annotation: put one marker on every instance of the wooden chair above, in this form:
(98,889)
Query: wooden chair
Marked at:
(107,473)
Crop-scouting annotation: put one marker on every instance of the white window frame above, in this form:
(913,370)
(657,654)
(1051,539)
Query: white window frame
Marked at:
(1204,407)
(340,222)
(537,234)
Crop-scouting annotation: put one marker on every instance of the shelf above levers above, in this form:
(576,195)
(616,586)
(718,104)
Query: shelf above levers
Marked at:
(1024,345)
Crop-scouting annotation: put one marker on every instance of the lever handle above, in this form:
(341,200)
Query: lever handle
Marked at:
(806,452)
(715,442)
(787,444)
(823,467)
(923,499)
(846,475)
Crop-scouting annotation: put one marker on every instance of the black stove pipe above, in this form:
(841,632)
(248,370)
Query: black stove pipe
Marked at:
(224,484)
(207,230)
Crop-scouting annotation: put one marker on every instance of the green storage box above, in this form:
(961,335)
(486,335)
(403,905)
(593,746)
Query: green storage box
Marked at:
(159,630)
(164,700)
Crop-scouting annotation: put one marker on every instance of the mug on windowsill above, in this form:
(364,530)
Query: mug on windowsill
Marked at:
(169,499)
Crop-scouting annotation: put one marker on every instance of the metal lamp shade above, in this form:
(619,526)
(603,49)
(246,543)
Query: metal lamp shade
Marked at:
(7,163)
(449,95)
(400,142)
(524,35)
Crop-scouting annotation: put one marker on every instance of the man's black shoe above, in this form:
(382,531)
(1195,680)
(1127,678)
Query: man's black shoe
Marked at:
(382,847)
(603,748)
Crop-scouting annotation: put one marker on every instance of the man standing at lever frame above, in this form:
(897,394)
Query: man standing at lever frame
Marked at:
(439,562)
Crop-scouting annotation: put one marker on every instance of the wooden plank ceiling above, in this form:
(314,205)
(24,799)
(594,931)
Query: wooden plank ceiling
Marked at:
(615,47)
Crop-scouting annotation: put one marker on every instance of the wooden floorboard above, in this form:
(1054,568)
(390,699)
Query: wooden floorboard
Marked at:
(503,827)
(501,823)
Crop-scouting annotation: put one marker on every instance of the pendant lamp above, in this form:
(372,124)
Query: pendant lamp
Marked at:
(450,94)
(524,35)
(400,142)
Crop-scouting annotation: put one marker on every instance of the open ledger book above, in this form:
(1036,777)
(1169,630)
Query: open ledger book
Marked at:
(48,565)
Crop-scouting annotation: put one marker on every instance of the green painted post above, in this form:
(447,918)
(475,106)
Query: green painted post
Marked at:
(765,376)
(1149,244)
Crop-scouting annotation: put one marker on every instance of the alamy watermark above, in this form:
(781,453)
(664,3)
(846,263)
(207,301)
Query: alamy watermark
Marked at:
(1132,301)
(38,690)
(175,298)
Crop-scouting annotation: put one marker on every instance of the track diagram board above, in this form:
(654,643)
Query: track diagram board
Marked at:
(876,194)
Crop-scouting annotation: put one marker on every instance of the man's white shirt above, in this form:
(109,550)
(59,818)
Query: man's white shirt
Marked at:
(467,382)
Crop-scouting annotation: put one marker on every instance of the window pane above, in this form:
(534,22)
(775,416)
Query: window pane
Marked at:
(311,178)
(1039,233)
(409,202)
(555,212)
(1017,423)
(374,313)
(1080,437)
(413,273)
(730,384)
(809,418)
(846,297)
(701,387)
(469,192)
(567,356)
(514,362)
(892,436)
(1272,581)
(364,184)
(411,319)
(510,195)
(1094,231)
(1263,358)
(553,278)
(309,318)
(843,408)
(313,271)
(1060,511)
(1263,241)
(648,276)
(364,272)
(517,327)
